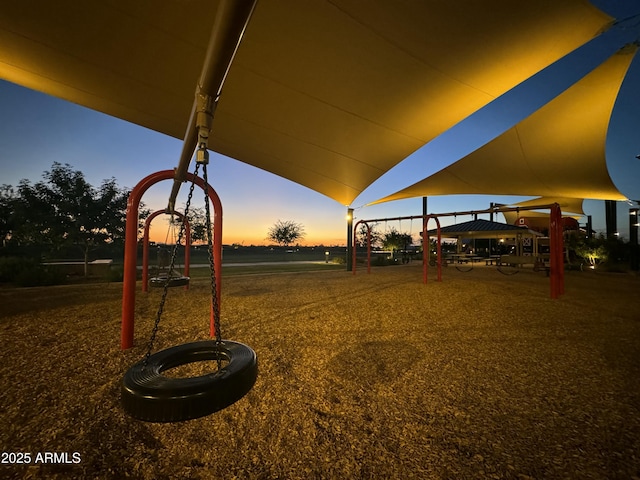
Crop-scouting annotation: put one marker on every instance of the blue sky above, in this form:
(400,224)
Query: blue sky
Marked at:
(37,130)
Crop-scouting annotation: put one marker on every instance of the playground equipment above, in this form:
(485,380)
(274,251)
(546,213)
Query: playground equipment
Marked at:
(172,277)
(425,257)
(147,393)
(131,245)
(555,269)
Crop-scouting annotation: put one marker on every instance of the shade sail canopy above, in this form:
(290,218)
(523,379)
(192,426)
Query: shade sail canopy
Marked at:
(573,205)
(558,151)
(512,217)
(481,228)
(328,94)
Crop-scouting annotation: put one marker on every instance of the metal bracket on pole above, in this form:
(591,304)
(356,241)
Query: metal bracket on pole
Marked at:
(228,29)
(204,121)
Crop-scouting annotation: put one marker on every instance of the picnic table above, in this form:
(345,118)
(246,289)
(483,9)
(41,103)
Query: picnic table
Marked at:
(464,258)
(510,264)
(491,259)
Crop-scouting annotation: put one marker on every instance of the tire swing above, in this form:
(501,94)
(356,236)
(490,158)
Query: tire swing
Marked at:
(149,395)
(508,268)
(171,278)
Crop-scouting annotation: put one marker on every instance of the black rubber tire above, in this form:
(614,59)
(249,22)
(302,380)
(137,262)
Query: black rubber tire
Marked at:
(150,396)
(159,282)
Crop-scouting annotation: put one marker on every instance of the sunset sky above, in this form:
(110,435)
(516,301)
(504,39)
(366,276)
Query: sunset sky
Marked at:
(37,130)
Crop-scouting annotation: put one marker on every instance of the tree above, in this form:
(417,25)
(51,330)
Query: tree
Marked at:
(7,212)
(394,240)
(286,232)
(361,235)
(197,223)
(65,210)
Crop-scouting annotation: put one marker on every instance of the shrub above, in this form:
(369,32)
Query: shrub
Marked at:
(10,267)
(116,274)
(28,272)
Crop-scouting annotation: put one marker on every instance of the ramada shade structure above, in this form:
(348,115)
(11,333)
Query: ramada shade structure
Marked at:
(558,151)
(328,94)
(481,228)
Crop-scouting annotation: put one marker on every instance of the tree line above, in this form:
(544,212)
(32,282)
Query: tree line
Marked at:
(63,213)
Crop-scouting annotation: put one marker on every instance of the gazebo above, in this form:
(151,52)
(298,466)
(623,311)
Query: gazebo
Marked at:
(520,237)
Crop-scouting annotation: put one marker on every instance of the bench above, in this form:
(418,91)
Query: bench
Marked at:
(519,261)
(96,268)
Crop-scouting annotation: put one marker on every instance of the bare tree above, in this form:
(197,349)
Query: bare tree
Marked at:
(284,233)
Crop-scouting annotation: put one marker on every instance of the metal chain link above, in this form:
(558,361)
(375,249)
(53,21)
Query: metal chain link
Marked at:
(174,252)
(214,294)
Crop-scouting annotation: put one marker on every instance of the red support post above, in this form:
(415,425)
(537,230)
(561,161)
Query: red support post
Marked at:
(131,243)
(355,246)
(556,260)
(426,251)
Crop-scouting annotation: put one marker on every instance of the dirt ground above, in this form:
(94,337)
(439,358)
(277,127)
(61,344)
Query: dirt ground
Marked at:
(361,377)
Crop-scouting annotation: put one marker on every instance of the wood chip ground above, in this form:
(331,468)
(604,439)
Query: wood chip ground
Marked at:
(480,376)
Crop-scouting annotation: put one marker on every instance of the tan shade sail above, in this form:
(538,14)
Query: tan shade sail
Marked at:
(569,205)
(512,217)
(558,151)
(329,94)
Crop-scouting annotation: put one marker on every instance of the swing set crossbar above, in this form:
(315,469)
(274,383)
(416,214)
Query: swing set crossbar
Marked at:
(556,269)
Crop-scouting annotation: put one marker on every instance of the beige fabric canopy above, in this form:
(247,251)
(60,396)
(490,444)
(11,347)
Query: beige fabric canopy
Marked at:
(558,151)
(512,217)
(573,205)
(329,94)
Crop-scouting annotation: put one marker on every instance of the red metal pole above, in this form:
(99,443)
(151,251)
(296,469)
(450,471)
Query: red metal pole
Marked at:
(553,256)
(439,249)
(556,261)
(368,248)
(187,248)
(426,253)
(560,253)
(355,248)
(145,254)
(131,240)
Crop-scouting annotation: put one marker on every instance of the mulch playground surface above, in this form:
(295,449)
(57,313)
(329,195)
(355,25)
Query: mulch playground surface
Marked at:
(367,376)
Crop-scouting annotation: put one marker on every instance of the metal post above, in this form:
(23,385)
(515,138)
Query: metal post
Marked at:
(350,243)
(611,218)
(589,227)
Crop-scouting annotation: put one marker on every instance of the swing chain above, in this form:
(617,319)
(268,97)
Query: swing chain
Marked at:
(214,296)
(165,290)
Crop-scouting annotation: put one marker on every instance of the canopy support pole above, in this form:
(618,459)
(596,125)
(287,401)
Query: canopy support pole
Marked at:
(228,29)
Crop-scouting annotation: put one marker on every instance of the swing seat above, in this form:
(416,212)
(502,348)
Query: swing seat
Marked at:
(150,396)
(170,280)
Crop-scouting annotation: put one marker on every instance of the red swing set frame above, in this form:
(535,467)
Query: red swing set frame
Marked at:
(131,248)
(556,241)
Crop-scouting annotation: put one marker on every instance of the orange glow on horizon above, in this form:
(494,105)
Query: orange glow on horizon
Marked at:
(158,234)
